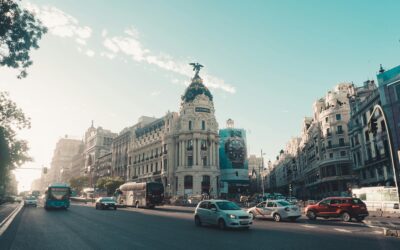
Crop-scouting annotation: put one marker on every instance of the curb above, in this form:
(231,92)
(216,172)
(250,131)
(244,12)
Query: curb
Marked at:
(386,231)
(7,221)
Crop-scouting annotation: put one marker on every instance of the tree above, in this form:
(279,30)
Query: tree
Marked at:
(20,31)
(79,183)
(110,184)
(13,152)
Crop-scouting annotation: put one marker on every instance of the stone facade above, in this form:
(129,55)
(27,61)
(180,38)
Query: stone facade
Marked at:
(318,163)
(179,149)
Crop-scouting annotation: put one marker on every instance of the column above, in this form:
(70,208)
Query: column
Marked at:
(210,159)
(198,161)
(194,150)
(184,163)
(181,153)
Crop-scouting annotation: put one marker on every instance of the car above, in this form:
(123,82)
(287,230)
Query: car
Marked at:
(106,203)
(345,208)
(30,201)
(222,213)
(277,209)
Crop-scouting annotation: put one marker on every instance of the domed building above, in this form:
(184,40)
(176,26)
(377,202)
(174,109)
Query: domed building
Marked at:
(180,149)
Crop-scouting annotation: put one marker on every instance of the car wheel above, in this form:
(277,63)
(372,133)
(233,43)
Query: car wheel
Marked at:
(346,217)
(221,224)
(359,219)
(277,217)
(197,221)
(311,215)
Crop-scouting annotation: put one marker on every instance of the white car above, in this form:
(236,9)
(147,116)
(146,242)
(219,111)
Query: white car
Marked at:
(276,209)
(222,213)
(30,201)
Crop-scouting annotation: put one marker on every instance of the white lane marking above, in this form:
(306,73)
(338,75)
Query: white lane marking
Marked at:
(7,221)
(342,230)
(308,226)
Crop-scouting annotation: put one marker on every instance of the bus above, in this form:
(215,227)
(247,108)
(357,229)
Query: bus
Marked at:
(57,196)
(141,194)
(378,198)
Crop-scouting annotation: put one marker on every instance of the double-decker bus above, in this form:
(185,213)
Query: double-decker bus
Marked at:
(141,194)
(57,196)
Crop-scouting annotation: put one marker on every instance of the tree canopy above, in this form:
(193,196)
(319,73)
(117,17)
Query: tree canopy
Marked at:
(79,183)
(20,31)
(13,151)
(110,184)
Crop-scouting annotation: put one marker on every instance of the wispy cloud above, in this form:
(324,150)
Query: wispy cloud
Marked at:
(130,45)
(155,93)
(60,23)
(90,53)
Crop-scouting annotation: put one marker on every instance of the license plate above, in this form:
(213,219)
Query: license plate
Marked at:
(244,223)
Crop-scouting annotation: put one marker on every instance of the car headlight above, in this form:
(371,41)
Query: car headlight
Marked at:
(232,216)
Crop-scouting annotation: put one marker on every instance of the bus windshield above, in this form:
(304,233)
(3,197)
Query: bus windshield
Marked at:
(58,193)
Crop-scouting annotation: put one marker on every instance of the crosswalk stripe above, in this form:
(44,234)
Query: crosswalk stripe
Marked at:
(342,230)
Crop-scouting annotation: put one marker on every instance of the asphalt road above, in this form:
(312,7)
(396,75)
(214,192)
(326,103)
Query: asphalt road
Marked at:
(83,227)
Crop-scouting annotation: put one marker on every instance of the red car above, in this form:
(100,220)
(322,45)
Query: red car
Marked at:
(338,207)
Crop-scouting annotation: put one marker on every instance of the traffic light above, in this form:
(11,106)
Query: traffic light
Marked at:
(373,126)
(45,170)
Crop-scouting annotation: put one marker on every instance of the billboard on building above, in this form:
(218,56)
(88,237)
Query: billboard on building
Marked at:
(233,155)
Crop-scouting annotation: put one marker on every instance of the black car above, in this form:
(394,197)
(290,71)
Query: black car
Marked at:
(106,203)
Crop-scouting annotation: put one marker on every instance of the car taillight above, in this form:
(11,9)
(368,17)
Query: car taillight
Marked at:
(355,206)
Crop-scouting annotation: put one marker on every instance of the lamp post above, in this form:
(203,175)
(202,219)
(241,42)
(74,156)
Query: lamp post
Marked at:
(372,127)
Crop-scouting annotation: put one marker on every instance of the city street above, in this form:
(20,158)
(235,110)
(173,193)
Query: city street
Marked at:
(83,227)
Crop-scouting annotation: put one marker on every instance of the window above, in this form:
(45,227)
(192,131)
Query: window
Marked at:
(188,182)
(204,205)
(204,160)
(326,119)
(338,117)
(203,145)
(270,204)
(190,125)
(189,145)
(340,129)
(203,125)
(364,118)
(205,184)
(328,132)
(342,153)
(367,135)
(176,183)
(341,141)
(190,161)
(329,144)
(151,167)
(331,155)
(398,92)
(165,164)
(372,173)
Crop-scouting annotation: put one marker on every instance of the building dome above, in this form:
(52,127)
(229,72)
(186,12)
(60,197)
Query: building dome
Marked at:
(196,88)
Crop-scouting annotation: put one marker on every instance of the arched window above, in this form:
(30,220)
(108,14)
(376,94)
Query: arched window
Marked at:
(188,182)
(203,125)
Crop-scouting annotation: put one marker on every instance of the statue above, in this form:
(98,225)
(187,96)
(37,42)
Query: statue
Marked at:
(196,68)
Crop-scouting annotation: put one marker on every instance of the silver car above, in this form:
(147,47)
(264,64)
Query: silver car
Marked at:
(276,209)
(30,201)
(222,213)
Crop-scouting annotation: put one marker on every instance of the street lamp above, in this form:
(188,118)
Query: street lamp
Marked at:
(372,126)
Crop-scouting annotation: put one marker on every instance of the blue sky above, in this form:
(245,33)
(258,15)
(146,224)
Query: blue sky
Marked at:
(266,62)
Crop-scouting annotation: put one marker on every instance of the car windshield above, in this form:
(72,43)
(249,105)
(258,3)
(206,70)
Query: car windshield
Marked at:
(283,203)
(107,199)
(227,205)
(30,198)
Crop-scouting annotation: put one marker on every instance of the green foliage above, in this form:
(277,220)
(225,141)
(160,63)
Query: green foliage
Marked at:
(20,31)
(110,184)
(79,183)
(13,152)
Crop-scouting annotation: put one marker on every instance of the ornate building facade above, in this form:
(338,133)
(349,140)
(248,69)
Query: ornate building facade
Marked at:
(179,149)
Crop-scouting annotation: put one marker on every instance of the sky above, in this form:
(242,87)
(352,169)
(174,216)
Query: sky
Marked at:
(266,62)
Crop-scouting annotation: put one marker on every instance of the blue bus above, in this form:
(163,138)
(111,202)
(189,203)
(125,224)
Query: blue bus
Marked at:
(57,196)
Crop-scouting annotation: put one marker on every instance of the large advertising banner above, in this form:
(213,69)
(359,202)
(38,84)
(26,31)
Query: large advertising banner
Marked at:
(233,154)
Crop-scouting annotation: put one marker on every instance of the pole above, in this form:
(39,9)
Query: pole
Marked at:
(262,178)
(395,172)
